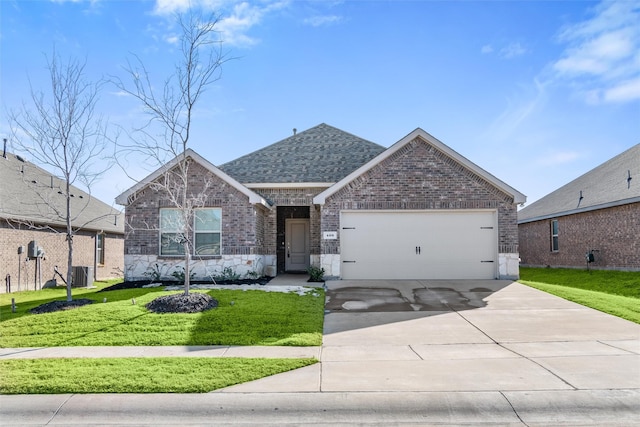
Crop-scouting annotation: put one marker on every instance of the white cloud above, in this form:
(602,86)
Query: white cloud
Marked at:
(172,39)
(512,50)
(165,7)
(602,59)
(237,17)
(623,92)
(598,56)
(487,48)
(235,26)
(318,21)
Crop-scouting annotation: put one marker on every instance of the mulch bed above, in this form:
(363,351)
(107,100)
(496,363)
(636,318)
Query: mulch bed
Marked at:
(53,306)
(177,303)
(140,283)
(181,303)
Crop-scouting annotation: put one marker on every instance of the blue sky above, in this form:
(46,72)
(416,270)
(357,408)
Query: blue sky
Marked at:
(537,93)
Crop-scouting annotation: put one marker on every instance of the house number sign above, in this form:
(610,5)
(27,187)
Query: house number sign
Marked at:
(329,235)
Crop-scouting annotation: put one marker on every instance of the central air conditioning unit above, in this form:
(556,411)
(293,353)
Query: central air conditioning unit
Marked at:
(82,276)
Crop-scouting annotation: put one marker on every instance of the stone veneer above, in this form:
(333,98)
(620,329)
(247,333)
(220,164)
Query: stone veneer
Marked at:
(138,266)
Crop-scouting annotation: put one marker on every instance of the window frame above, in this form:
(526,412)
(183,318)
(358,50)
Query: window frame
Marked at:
(174,230)
(100,246)
(554,235)
(195,230)
(210,231)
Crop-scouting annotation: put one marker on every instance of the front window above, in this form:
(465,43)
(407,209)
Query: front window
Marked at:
(171,232)
(206,231)
(554,236)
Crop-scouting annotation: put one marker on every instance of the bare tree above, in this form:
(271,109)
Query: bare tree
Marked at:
(62,133)
(171,109)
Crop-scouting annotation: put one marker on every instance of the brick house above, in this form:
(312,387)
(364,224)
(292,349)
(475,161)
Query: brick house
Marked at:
(597,214)
(326,198)
(28,197)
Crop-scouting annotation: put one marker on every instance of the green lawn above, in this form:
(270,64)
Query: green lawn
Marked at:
(242,318)
(136,375)
(613,292)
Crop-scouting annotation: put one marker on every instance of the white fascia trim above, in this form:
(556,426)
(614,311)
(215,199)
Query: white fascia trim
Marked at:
(254,198)
(517,196)
(289,185)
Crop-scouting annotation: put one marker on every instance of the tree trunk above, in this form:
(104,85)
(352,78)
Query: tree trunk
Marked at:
(69,245)
(187,268)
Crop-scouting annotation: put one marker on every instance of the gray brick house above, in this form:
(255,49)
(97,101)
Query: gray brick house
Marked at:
(327,198)
(597,213)
(32,207)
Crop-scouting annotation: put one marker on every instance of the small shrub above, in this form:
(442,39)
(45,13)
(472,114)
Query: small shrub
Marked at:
(316,274)
(253,275)
(227,274)
(153,274)
(180,275)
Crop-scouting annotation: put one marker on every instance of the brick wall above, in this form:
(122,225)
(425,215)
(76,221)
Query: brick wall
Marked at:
(613,232)
(55,246)
(418,176)
(239,217)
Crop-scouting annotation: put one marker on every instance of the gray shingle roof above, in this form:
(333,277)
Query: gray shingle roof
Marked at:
(321,154)
(28,193)
(604,186)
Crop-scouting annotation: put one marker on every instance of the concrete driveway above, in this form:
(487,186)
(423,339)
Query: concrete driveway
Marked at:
(471,336)
(492,342)
(486,335)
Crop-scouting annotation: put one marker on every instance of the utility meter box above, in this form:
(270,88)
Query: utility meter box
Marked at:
(32,249)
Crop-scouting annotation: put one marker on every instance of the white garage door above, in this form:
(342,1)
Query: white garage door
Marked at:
(419,244)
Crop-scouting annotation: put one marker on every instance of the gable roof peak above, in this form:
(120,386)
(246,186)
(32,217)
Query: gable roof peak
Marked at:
(254,198)
(321,154)
(518,197)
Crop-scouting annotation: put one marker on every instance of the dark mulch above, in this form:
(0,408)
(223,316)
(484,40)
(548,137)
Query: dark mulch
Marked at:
(181,303)
(132,284)
(53,306)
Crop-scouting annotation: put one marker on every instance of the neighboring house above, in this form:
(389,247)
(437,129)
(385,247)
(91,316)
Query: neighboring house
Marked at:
(324,197)
(597,213)
(28,197)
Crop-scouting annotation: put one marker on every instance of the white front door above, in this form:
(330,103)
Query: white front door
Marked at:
(297,244)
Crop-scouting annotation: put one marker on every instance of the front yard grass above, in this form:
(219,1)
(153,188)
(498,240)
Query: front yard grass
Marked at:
(613,292)
(136,375)
(241,318)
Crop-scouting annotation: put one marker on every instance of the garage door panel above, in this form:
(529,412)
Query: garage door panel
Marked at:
(419,245)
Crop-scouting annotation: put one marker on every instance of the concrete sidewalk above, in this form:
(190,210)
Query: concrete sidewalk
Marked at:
(160,351)
(478,352)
